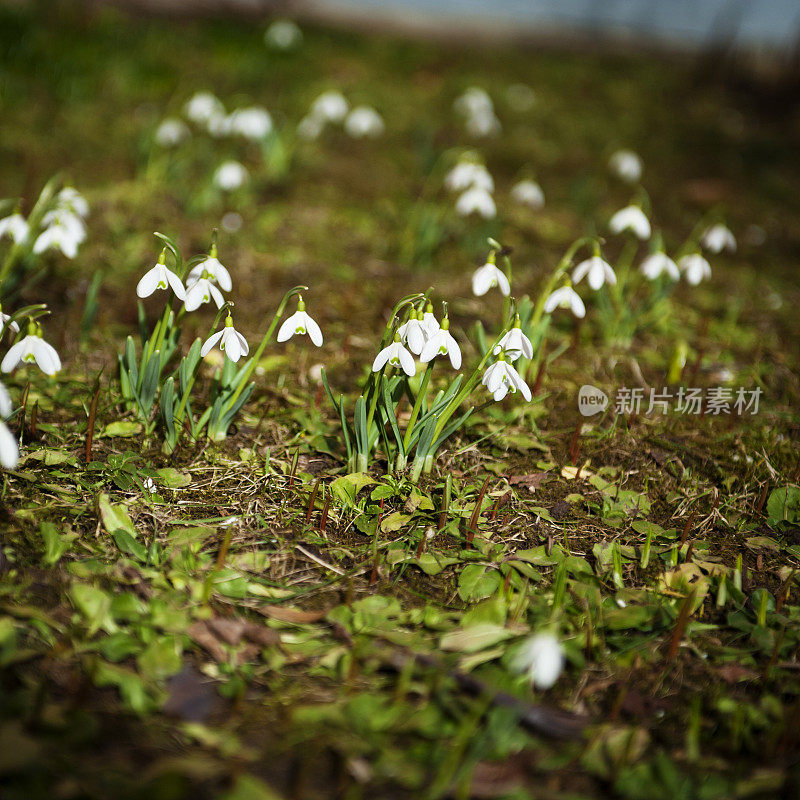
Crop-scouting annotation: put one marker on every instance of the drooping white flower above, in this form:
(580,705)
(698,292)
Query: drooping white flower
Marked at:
(253,123)
(202,107)
(501,377)
(216,271)
(467,174)
(9,452)
(70,199)
(631,219)
(202,291)
(598,271)
(626,165)
(66,218)
(299,323)
(230,175)
(514,343)
(395,355)
(15,226)
(160,277)
(565,297)
(528,193)
(32,349)
(695,268)
(442,343)
(171,132)
(219,125)
(415,332)
(474,101)
(657,263)
(488,276)
(283,34)
(230,341)
(483,124)
(6,406)
(364,121)
(542,658)
(429,320)
(330,106)
(718,238)
(476,201)
(59,237)
(310,127)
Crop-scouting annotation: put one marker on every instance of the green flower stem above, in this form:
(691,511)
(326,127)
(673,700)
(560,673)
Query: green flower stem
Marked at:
(423,388)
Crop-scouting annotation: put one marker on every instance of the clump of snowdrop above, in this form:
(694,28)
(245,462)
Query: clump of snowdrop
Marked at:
(171,132)
(364,122)
(695,268)
(528,193)
(632,219)
(230,176)
(626,165)
(32,349)
(477,109)
(717,238)
(9,451)
(541,658)
(283,34)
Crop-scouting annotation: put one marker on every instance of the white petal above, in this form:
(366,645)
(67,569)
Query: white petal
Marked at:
(481,281)
(230,344)
(210,342)
(406,361)
(381,358)
(454,351)
(45,355)
(216,294)
(177,286)
(9,453)
(194,296)
(597,274)
(6,406)
(579,273)
(430,350)
(15,354)
(502,282)
(552,302)
(243,344)
(314,332)
(576,304)
(148,283)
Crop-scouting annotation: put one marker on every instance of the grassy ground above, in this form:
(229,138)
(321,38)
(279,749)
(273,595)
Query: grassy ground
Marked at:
(261,637)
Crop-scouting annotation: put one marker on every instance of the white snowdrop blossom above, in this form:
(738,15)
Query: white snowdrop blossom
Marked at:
(283,34)
(468,174)
(171,132)
(657,263)
(514,343)
(429,320)
(364,121)
(230,342)
(476,201)
(542,658)
(160,277)
(14,226)
(474,101)
(66,218)
(528,193)
(32,349)
(70,199)
(565,297)
(695,268)
(203,107)
(330,106)
(202,291)
(718,238)
(310,127)
(631,219)
(219,125)
(59,237)
(626,165)
(483,124)
(216,271)
(300,323)
(415,332)
(487,277)
(230,175)
(442,343)
(395,355)
(598,271)
(253,123)
(501,377)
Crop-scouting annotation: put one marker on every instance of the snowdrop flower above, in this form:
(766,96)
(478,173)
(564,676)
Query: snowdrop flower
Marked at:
(476,200)
(718,238)
(474,101)
(283,34)
(565,297)
(171,132)
(488,276)
(6,318)
(202,291)
(149,485)
(626,165)
(483,124)
(528,193)
(657,263)
(160,277)
(216,271)
(598,270)
(310,127)
(415,332)
(59,236)
(631,219)
(502,377)
(299,323)
(253,123)
(203,107)
(230,341)
(70,199)
(32,350)
(695,268)
(542,657)
(65,218)
(230,176)
(467,174)
(9,452)
(515,343)
(395,355)
(429,320)
(442,343)
(14,226)
(330,107)
(364,121)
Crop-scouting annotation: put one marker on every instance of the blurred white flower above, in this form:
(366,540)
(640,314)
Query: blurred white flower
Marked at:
(70,199)
(330,106)
(414,333)
(61,235)
(364,121)
(299,323)
(626,165)
(718,238)
(253,123)
(219,125)
(230,341)
(501,377)
(283,34)
(395,355)
(171,132)
(474,101)
(695,268)
(528,193)
(514,344)
(160,277)
(6,406)
(202,107)
(467,174)
(633,219)
(542,657)
(149,485)
(657,263)
(32,349)
(476,201)
(565,297)
(14,226)
(6,318)
(310,127)
(9,452)
(598,270)
(483,124)
(442,343)
(214,269)
(230,176)
(487,277)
